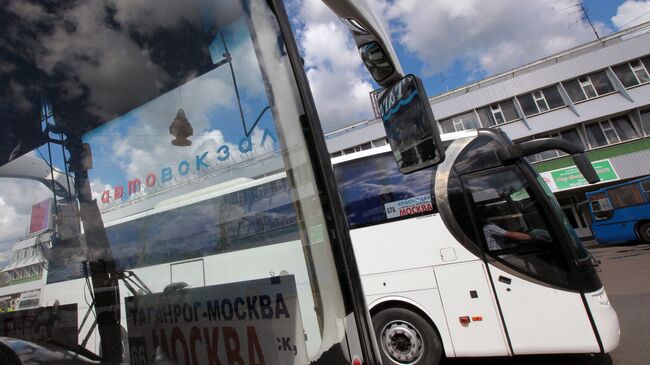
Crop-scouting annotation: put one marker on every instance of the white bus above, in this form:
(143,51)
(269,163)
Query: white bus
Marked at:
(431,285)
(438,279)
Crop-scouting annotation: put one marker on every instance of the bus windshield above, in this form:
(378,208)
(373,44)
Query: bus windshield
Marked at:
(175,212)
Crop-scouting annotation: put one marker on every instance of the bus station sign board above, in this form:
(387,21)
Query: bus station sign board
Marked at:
(570,178)
(57,322)
(231,323)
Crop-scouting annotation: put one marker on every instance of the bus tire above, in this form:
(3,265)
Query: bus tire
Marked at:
(405,337)
(644,232)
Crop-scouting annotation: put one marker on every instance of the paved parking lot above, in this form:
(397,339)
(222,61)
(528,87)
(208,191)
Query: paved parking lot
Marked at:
(625,271)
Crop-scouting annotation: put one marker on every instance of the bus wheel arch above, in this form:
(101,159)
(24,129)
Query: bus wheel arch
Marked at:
(402,318)
(642,229)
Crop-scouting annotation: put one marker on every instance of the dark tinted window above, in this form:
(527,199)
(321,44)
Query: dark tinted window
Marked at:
(514,227)
(528,104)
(509,110)
(595,135)
(624,128)
(486,117)
(601,83)
(625,75)
(574,90)
(374,191)
(572,136)
(645,121)
(625,196)
(258,215)
(553,97)
(645,185)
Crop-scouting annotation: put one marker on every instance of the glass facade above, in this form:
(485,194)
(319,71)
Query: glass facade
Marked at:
(185,191)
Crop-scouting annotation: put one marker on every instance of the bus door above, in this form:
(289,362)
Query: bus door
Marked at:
(539,300)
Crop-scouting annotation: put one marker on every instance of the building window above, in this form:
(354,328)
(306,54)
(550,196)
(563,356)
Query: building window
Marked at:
(611,131)
(459,123)
(540,101)
(499,113)
(379,142)
(570,135)
(362,147)
(645,121)
(336,154)
(632,73)
(587,87)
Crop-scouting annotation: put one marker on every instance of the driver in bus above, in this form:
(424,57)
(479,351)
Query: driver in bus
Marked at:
(496,237)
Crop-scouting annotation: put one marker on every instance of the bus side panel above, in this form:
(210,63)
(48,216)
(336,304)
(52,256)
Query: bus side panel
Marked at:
(621,226)
(405,244)
(465,292)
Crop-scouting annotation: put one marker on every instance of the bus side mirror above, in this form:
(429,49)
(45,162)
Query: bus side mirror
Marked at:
(586,168)
(411,129)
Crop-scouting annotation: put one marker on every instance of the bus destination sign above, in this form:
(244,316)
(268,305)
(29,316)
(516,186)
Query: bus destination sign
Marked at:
(220,324)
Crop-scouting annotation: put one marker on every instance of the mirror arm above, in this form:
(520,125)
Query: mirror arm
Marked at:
(519,150)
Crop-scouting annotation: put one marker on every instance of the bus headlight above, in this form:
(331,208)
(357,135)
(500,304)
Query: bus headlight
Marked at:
(602,298)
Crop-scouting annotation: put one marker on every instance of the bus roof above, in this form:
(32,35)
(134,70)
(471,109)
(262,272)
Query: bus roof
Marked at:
(602,190)
(386,148)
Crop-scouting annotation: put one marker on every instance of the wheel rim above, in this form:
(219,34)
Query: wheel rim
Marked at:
(402,342)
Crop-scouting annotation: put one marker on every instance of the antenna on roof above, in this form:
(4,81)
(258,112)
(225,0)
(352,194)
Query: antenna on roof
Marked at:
(584,17)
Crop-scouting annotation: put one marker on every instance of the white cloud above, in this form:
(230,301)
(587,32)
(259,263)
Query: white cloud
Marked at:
(486,38)
(18,196)
(338,80)
(631,13)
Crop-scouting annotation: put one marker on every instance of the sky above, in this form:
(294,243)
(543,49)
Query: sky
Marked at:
(448,43)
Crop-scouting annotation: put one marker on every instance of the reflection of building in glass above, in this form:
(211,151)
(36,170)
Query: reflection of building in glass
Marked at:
(23,277)
(594,95)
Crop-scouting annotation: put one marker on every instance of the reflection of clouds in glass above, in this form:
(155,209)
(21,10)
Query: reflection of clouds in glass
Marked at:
(98,59)
(373,180)
(16,206)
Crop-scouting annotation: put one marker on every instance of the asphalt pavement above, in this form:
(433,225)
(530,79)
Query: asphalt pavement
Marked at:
(625,272)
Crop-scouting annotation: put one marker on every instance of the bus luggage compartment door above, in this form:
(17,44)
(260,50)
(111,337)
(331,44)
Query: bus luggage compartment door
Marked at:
(470,310)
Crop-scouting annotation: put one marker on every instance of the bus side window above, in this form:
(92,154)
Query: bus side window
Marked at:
(600,206)
(645,185)
(374,191)
(625,196)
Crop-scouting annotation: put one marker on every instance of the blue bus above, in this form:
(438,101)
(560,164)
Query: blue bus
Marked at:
(621,212)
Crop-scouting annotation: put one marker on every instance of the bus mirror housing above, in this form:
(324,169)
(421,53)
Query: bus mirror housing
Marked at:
(373,42)
(586,169)
(411,129)
(528,148)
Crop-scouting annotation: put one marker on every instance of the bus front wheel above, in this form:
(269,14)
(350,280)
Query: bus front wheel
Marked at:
(644,232)
(405,337)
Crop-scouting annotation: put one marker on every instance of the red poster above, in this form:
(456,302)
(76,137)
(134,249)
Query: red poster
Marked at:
(40,216)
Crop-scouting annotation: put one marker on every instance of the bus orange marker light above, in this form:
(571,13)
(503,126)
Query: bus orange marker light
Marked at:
(477,318)
(464,320)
